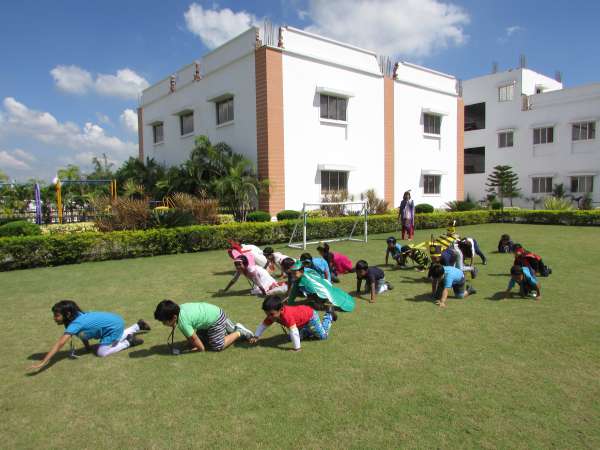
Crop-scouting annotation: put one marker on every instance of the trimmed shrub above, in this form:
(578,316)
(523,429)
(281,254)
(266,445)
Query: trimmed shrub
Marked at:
(557,203)
(258,216)
(57,249)
(170,218)
(222,219)
(65,228)
(288,214)
(423,208)
(5,220)
(19,228)
(496,205)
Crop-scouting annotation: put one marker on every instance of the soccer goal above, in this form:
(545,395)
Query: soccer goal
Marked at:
(346,209)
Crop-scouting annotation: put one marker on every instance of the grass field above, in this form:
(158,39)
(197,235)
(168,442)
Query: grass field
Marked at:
(400,373)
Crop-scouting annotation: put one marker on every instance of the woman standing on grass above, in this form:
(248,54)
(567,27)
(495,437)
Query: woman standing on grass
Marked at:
(406,216)
(108,328)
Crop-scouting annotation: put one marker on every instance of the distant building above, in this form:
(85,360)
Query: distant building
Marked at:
(316,115)
(526,120)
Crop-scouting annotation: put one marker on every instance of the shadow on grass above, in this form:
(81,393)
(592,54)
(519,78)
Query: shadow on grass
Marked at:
(422,298)
(238,293)
(415,280)
(225,272)
(496,296)
(278,341)
(498,274)
(159,349)
(56,358)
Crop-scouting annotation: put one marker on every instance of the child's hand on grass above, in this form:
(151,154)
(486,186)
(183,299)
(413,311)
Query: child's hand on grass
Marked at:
(253,340)
(37,366)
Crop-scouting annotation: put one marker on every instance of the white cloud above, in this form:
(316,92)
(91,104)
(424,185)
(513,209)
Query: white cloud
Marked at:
(126,83)
(413,28)
(509,32)
(72,79)
(129,120)
(512,30)
(16,160)
(43,126)
(216,26)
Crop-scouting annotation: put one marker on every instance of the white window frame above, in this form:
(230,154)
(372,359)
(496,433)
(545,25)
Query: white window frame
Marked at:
(506,92)
(182,116)
(586,179)
(229,103)
(541,185)
(438,185)
(437,124)
(506,135)
(590,131)
(154,128)
(543,135)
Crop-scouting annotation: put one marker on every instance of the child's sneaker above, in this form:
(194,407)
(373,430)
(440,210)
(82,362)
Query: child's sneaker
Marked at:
(389,285)
(471,290)
(134,340)
(229,326)
(474,273)
(244,332)
(143,325)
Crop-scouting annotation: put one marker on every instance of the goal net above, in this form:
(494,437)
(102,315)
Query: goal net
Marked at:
(300,237)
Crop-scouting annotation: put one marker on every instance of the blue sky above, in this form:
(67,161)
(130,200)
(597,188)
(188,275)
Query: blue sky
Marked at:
(70,71)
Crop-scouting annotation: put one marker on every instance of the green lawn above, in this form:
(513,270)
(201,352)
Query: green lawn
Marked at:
(401,372)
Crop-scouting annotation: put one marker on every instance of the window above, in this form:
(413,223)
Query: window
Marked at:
(475,117)
(543,135)
(431,184)
(582,184)
(584,131)
(541,185)
(224,111)
(333,181)
(432,123)
(475,160)
(158,132)
(506,93)
(333,107)
(186,123)
(505,139)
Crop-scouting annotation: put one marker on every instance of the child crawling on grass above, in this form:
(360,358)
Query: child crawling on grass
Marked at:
(301,322)
(374,278)
(205,326)
(108,328)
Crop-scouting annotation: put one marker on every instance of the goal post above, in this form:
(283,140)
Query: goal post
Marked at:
(352,209)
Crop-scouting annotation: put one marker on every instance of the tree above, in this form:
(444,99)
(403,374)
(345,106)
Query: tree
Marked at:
(503,182)
(3,177)
(102,169)
(70,173)
(238,188)
(559,191)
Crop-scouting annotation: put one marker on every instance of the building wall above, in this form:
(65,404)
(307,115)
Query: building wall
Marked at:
(555,107)
(227,70)
(416,153)
(311,142)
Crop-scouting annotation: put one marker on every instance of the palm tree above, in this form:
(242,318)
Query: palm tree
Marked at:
(239,187)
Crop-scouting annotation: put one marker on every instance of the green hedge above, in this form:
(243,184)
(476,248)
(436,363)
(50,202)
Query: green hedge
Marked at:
(54,250)
(19,228)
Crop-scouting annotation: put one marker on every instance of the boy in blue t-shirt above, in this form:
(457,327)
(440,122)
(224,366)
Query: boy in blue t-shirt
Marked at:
(318,264)
(444,278)
(394,250)
(528,283)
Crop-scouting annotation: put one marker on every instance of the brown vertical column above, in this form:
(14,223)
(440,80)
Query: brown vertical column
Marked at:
(388,141)
(269,127)
(460,149)
(140,114)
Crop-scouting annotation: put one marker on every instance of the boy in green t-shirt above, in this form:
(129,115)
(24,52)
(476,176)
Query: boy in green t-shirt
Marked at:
(205,326)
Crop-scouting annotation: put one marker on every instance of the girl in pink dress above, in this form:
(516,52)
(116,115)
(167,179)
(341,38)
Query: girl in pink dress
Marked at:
(339,263)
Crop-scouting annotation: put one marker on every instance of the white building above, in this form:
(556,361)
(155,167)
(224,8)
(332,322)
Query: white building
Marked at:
(528,121)
(316,115)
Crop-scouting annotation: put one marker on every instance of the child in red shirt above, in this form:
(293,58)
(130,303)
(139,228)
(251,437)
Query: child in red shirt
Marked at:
(299,320)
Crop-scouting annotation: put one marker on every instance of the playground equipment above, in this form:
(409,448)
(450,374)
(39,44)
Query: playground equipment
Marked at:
(112,185)
(37,196)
